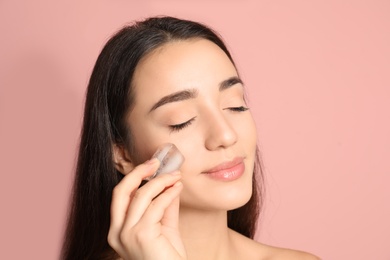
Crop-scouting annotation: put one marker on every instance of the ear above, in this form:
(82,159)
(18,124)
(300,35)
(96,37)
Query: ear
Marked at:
(122,159)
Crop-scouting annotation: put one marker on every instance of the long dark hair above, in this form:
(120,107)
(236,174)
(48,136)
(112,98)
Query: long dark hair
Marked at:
(109,98)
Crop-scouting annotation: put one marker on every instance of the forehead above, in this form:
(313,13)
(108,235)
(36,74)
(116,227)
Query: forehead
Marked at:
(178,65)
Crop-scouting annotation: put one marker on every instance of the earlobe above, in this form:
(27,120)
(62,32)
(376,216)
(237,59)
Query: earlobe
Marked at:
(121,159)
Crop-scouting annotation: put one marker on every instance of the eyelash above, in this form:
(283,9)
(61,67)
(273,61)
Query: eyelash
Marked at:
(238,109)
(178,127)
(181,126)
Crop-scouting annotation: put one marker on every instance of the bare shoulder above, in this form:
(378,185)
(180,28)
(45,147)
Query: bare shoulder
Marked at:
(255,250)
(276,253)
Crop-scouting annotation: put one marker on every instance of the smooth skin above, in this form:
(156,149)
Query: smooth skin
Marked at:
(183,215)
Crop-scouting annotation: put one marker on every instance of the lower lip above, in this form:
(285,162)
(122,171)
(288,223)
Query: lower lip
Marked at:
(229,174)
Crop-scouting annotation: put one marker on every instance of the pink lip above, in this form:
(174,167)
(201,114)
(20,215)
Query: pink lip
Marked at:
(227,171)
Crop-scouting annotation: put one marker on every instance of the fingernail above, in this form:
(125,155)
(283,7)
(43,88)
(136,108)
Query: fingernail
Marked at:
(151,161)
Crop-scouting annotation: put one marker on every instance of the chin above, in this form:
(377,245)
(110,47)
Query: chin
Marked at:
(218,199)
(235,195)
(236,200)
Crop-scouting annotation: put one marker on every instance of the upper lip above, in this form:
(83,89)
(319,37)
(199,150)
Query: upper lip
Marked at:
(225,165)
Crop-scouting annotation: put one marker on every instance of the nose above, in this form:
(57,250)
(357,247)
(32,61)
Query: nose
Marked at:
(220,133)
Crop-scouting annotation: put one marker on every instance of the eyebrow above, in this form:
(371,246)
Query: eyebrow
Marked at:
(174,97)
(230,82)
(193,93)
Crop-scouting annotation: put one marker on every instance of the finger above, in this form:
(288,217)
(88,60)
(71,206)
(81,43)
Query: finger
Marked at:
(156,210)
(121,195)
(171,216)
(145,195)
(170,224)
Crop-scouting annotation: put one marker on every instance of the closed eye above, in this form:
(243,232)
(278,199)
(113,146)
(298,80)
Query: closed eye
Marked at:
(181,126)
(238,109)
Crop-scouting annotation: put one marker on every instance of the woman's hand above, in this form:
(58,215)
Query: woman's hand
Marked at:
(144,221)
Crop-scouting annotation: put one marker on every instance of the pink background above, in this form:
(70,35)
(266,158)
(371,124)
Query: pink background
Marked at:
(317,73)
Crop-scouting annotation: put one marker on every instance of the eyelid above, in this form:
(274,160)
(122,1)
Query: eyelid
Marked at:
(178,127)
(237,109)
(181,126)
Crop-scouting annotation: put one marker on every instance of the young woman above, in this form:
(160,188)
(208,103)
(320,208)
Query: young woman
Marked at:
(166,80)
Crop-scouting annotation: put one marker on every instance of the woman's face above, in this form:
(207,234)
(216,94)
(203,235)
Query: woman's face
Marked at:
(188,93)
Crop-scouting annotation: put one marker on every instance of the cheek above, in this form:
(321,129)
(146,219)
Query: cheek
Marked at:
(247,133)
(147,137)
(144,139)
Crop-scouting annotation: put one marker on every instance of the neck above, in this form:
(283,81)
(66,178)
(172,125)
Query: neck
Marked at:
(205,234)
